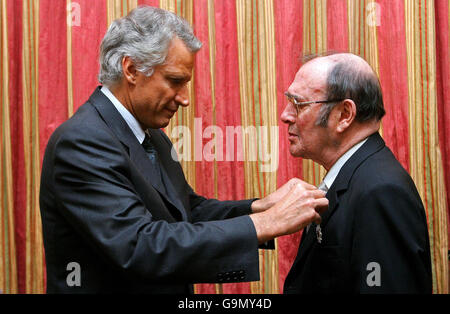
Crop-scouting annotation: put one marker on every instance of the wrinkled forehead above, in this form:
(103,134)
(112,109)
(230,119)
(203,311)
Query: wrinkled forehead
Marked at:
(310,80)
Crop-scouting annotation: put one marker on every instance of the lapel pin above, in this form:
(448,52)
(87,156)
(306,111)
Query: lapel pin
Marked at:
(319,234)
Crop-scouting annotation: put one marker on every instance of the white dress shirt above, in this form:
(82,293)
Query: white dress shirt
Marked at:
(334,171)
(126,115)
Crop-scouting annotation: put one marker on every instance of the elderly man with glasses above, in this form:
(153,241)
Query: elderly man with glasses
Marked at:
(374,237)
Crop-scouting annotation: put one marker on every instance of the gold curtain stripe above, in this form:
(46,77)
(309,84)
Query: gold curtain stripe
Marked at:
(414,93)
(245,46)
(26,99)
(118,8)
(8,264)
(189,112)
(353,24)
(322,24)
(425,160)
(169,5)
(438,184)
(34,244)
(371,38)
(110,11)
(184,117)
(212,69)
(269,117)
(244,31)
(314,173)
(368,41)
(314,26)
(4,105)
(265,55)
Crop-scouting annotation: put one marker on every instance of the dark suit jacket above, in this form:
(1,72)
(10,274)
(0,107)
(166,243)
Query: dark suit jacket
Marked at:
(375,215)
(102,209)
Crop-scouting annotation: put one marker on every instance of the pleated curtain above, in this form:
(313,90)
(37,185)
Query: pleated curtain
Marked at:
(230,138)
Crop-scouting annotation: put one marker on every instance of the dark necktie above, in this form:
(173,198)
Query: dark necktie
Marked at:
(153,156)
(162,179)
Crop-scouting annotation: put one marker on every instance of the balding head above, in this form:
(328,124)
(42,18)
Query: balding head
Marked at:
(358,63)
(334,103)
(350,77)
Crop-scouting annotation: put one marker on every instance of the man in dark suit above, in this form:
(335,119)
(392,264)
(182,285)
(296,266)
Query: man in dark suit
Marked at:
(374,237)
(117,212)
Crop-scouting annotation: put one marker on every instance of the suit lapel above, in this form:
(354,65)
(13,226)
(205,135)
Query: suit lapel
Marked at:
(374,144)
(340,185)
(136,152)
(167,167)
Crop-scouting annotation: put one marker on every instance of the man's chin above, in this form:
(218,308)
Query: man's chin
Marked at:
(164,123)
(295,152)
(160,124)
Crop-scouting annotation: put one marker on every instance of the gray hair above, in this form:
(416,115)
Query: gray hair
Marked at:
(347,81)
(144,35)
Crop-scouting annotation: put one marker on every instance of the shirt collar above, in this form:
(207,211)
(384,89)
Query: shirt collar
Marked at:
(334,171)
(126,115)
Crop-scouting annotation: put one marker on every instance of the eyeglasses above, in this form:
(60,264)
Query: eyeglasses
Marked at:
(299,105)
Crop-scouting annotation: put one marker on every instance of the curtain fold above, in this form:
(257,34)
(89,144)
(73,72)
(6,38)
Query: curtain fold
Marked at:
(230,138)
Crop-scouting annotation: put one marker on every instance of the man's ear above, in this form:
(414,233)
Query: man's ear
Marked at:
(129,70)
(347,114)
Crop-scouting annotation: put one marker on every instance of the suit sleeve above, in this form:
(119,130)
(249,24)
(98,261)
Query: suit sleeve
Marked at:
(390,252)
(96,197)
(211,209)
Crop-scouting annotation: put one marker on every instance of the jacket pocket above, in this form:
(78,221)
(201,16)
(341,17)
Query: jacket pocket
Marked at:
(331,269)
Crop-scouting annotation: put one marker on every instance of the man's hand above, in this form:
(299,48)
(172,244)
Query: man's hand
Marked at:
(300,206)
(274,197)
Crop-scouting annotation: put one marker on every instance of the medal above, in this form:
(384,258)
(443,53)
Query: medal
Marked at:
(319,234)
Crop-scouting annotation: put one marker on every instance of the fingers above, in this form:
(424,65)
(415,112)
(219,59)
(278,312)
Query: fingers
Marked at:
(299,195)
(317,194)
(296,181)
(300,192)
(296,210)
(313,199)
(317,220)
(307,186)
(321,205)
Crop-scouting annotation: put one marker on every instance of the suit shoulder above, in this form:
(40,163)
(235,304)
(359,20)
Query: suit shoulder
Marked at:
(86,123)
(84,133)
(381,177)
(381,168)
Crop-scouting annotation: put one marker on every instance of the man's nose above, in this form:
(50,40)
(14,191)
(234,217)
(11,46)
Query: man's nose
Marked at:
(182,96)
(288,115)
